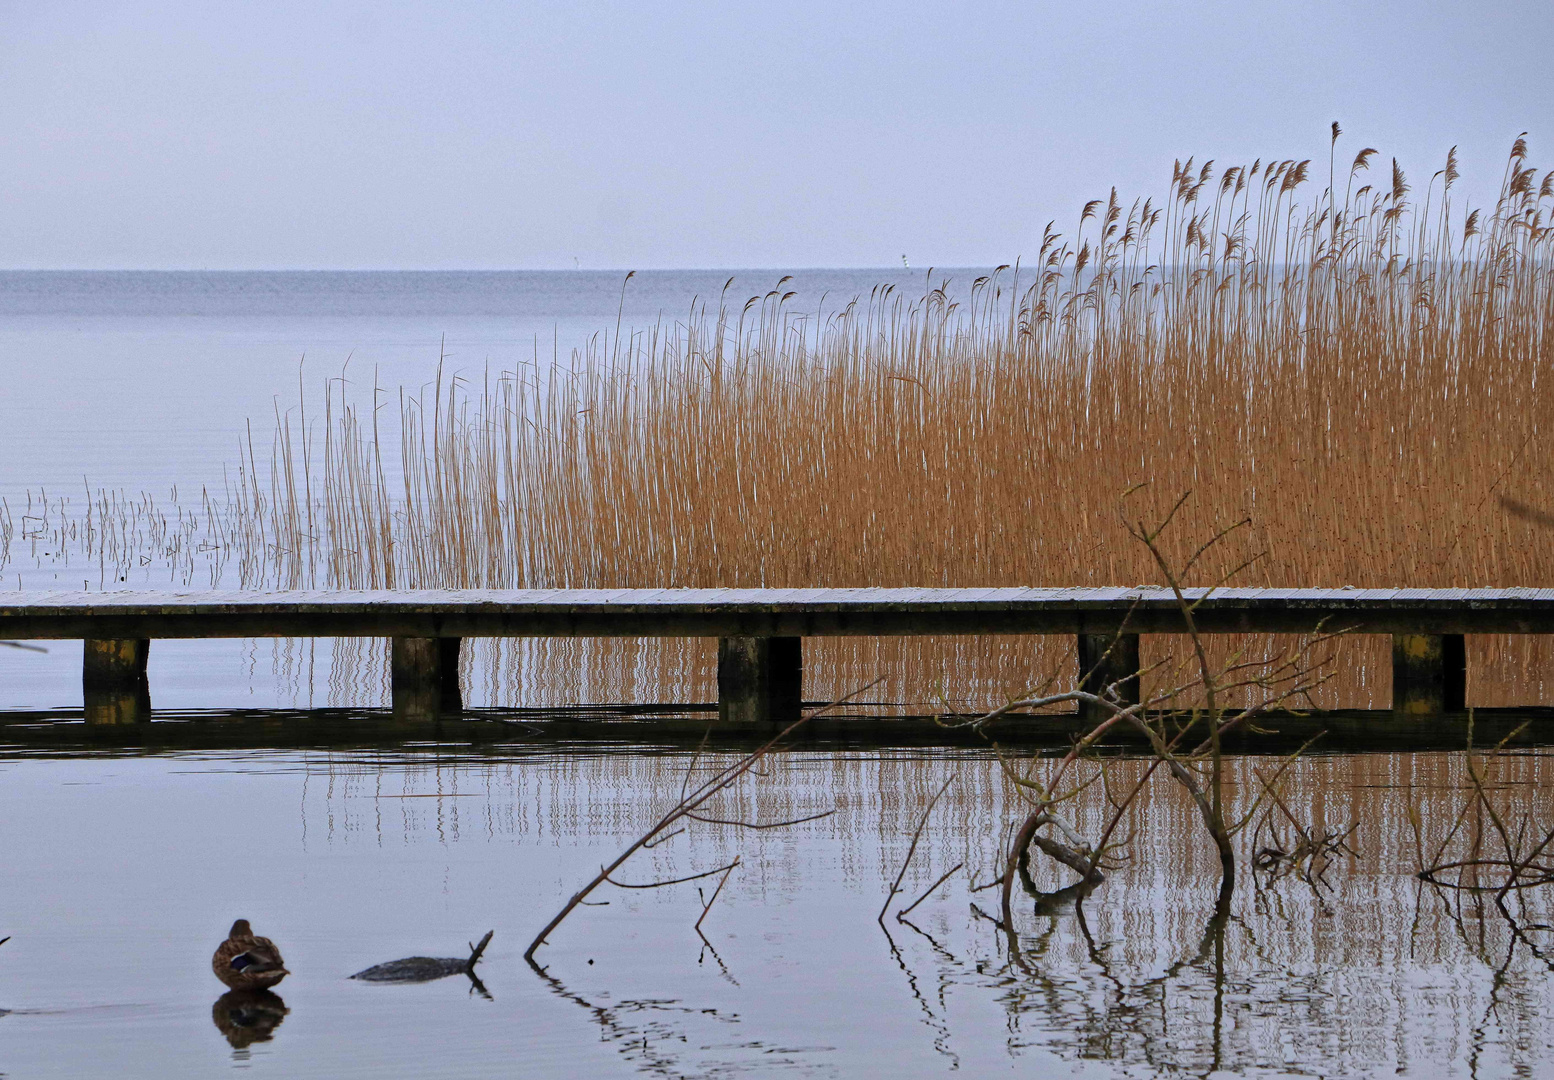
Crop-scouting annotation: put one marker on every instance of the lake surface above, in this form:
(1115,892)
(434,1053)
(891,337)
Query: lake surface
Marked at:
(145,380)
(124,867)
(123,873)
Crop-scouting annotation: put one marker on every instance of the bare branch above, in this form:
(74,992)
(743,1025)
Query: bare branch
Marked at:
(759,824)
(912,849)
(708,905)
(904,912)
(689,803)
(671,881)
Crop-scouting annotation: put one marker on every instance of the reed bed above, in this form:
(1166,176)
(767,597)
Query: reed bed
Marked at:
(1359,369)
(1361,380)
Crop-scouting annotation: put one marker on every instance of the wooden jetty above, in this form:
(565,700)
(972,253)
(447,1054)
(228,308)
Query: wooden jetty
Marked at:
(760,631)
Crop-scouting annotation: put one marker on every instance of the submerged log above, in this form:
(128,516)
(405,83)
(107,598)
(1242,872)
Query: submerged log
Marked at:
(419,969)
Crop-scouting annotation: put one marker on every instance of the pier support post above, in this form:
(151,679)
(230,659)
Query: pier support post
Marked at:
(1429,674)
(760,679)
(1105,659)
(424,677)
(114,688)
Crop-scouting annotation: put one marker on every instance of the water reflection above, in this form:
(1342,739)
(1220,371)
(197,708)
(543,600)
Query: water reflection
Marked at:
(974,673)
(663,1036)
(1353,967)
(245,1017)
(117,706)
(1362,969)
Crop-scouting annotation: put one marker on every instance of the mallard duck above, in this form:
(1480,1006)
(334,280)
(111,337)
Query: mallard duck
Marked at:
(246,962)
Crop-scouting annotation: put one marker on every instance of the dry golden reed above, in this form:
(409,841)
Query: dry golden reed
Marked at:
(1361,380)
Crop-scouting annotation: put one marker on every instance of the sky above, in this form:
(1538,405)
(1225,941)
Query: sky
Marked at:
(685,135)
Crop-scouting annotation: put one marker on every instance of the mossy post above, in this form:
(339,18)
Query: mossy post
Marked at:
(760,679)
(1105,659)
(1429,674)
(114,687)
(424,677)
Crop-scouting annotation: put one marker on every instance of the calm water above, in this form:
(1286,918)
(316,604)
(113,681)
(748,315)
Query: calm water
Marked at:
(145,380)
(123,873)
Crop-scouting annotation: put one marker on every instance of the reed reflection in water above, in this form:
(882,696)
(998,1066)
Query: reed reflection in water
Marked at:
(1367,972)
(122,867)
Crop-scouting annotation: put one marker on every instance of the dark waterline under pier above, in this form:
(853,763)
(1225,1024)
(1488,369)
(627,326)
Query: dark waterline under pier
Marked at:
(678,728)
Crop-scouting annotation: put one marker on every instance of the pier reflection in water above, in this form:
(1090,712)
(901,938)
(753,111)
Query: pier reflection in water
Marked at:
(121,868)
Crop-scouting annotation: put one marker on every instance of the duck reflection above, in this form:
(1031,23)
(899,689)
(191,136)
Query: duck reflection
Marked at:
(248,1016)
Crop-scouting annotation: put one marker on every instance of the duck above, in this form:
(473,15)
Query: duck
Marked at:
(246,962)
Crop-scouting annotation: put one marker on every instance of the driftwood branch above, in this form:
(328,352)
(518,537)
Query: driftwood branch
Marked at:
(691,800)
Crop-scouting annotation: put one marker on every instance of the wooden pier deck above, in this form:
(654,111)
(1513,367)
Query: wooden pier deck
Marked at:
(760,631)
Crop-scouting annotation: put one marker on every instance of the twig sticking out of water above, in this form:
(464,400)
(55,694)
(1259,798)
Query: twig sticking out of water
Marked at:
(904,912)
(1165,723)
(691,800)
(1520,862)
(672,881)
(1312,852)
(895,886)
(1485,866)
(476,950)
(710,900)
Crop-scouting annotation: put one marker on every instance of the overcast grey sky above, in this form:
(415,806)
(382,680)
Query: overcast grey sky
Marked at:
(448,134)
